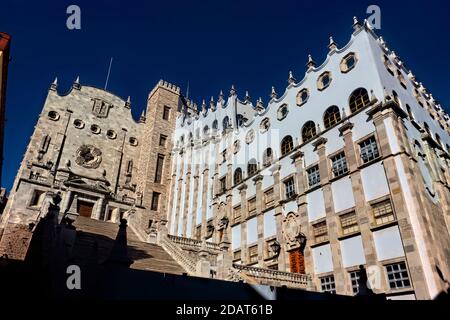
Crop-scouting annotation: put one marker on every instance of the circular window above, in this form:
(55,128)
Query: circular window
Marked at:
(302,97)
(111,134)
(133,141)
(53,115)
(95,129)
(265,124)
(78,124)
(282,112)
(324,80)
(348,62)
(250,136)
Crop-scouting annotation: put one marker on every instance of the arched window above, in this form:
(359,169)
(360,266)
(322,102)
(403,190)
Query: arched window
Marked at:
(331,117)
(427,128)
(282,112)
(252,167)
(214,125)
(267,157)
(206,130)
(410,114)
(226,123)
(237,176)
(308,131)
(191,136)
(264,125)
(358,99)
(287,144)
(241,119)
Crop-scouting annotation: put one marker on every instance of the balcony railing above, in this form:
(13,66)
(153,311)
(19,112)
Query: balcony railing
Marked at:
(193,243)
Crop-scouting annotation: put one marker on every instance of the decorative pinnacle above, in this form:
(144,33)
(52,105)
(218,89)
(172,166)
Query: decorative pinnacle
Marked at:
(273,94)
(204,106)
(232,90)
(259,104)
(291,78)
(318,129)
(381,40)
(142,118)
(128,103)
(332,45)
(76,84)
(54,84)
(373,99)
(368,25)
(356,24)
(221,95)
(247,96)
(344,115)
(311,64)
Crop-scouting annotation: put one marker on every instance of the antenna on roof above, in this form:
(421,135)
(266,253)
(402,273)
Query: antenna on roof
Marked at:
(109,71)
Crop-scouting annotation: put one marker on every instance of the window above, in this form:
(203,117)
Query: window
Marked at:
(265,124)
(289,188)
(162,140)
(159,168)
(320,232)
(205,130)
(253,254)
(79,124)
(111,134)
(354,278)
(236,146)
(348,62)
(388,64)
(191,137)
(95,129)
(331,117)
(241,120)
(53,115)
(251,206)
(324,80)
(226,123)
(410,114)
(327,284)
(339,164)
(313,176)
(223,184)
(267,157)
(302,97)
(269,198)
(236,255)
(38,197)
(215,125)
(349,223)
(250,136)
(401,79)
(224,156)
(237,176)
(237,214)
(133,141)
(359,99)
(438,139)
(155,201)
(382,212)
(398,276)
(308,131)
(252,167)
(286,145)
(369,150)
(282,112)
(166,113)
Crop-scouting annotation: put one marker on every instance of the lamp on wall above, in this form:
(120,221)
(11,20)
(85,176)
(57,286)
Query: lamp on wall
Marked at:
(301,240)
(275,247)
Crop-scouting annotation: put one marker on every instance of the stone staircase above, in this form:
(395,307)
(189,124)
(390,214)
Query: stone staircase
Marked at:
(95,240)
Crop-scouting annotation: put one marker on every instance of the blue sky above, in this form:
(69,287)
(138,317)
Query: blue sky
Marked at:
(210,44)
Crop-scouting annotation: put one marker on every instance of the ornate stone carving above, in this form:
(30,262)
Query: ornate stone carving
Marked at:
(292,231)
(88,156)
(100,108)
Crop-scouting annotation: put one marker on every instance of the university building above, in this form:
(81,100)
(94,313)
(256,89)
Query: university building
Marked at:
(348,168)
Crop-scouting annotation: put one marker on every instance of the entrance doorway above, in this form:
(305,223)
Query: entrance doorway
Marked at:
(297,261)
(85,208)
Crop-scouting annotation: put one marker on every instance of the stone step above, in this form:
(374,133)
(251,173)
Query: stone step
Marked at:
(145,256)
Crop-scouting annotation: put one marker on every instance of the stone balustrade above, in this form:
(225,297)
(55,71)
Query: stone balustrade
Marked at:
(179,255)
(193,243)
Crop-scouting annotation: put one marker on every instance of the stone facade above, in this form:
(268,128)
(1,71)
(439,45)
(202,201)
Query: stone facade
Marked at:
(321,180)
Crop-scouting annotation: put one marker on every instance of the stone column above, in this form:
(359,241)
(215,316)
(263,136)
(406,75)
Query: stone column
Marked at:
(260,219)
(203,267)
(98,208)
(244,215)
(224,258)
(282,257)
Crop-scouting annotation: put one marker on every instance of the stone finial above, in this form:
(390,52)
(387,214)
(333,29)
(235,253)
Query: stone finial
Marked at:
(54,84)
(232,90)
(221,96)
(128,102)
(203,106)
(247,96)
(344,114)
(318,129)
(142,118)
(373,98)
(310,64)
(212,104)
(356,24)
(291,78)
(332,45)
(273,93)
(76,84)
(421,87)
(367,25)
(259,105)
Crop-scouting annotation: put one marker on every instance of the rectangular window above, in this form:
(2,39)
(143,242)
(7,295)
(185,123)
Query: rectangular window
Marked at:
(252,206)
(320,232)
(269,198)
(313,176)
(236,255)
(38,197)
(327,284)
(237,214)
(349,223)
(289,188)
(398,276)
(223,184)
(155,201)
(159,168)
(339,164)
(162,140)
(166,113)
(369,150)
(354,278)
(253,254)
(224,156)
(382,212)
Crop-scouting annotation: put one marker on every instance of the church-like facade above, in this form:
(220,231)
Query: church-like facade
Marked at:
(346,171)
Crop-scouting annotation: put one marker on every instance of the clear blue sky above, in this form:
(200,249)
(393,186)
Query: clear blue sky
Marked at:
(211,44)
